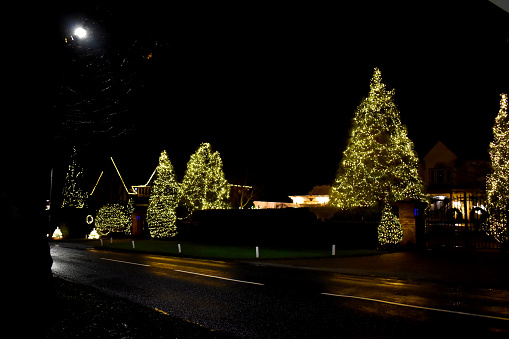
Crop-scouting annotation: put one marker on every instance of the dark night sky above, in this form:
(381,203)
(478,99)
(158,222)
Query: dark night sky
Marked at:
(272,88)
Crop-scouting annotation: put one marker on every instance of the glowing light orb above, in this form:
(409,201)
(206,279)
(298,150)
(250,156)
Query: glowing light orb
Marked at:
(80,32)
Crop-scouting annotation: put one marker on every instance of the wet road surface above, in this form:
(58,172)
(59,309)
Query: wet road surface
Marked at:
(252,300)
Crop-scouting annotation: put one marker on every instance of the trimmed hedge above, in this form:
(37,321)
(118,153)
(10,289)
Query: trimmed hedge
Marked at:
(282,227)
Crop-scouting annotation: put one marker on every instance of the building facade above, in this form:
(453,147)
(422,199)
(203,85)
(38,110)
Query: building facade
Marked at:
(449,178)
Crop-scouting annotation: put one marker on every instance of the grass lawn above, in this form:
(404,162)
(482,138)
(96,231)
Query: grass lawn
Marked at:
(190,249)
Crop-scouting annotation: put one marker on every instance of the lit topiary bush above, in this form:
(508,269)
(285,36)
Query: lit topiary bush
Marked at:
(111,218)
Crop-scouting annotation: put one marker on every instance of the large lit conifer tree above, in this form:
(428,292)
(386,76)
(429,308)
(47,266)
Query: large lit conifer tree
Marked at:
(379,164)
(161,214)
(72,193)
(204,185)
(498,179)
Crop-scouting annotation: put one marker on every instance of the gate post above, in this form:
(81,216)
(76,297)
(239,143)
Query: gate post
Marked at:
(411,217)
(420,224)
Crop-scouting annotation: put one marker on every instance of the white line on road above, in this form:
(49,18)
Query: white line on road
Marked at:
(415,306)
(188,272)
(223,278)
(125,262)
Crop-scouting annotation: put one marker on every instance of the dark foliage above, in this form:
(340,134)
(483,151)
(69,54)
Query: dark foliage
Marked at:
(281,227)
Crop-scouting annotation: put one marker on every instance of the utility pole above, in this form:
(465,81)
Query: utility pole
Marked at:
(48,205)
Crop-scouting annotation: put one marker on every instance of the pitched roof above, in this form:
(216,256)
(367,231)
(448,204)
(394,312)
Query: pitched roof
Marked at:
(440,151)
(110,185)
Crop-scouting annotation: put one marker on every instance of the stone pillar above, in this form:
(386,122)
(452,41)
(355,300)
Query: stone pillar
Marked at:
(137,225)
(407,218)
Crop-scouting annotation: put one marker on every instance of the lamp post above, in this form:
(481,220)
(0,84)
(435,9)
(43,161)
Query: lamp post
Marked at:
(80,32)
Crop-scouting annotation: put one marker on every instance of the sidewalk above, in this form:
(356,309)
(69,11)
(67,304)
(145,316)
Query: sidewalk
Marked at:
(481,269)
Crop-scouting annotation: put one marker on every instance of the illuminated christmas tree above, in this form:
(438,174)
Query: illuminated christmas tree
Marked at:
(57,234)
(498,179)
(73,195)
(129,211)
(390,230)
(93,235)
(204,185)
(379,163)
(163,201)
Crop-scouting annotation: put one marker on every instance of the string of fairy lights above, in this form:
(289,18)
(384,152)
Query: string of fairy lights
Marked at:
(204,185)
(112,218)
(497,181)
(379,167)
(161,212)
(390,230)
(72,194)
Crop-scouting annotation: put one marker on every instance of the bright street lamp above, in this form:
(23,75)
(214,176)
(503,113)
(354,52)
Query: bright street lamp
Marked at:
(80,32)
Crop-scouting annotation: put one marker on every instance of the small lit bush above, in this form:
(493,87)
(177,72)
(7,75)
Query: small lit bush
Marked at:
(112,218)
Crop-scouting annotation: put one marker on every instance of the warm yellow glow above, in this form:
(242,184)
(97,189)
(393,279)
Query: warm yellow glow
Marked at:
(241,186)
(497,181)
(458,205)
(73,195)
(90,219)
(389,230)
(129,192)
(297,200)
(148,182)
(379,163)
(309,200)
(57,234)
(112,218)
(204,185)
(161,311)
(93,234)
(121,179)
(100,175)
(163,201)
(322,199)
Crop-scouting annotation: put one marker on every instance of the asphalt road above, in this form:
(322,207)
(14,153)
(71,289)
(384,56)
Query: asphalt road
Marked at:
(253,300)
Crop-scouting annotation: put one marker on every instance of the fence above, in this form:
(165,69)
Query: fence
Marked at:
(459,222)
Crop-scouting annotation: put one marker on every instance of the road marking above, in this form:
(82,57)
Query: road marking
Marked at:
(125,262)
(223,278)
(415,306)
(188,272)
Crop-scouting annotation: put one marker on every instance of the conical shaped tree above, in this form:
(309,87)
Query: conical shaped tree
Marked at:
(204,185)
(498,179)
(72,194)
(379,163)
(390,230)
(161,215)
